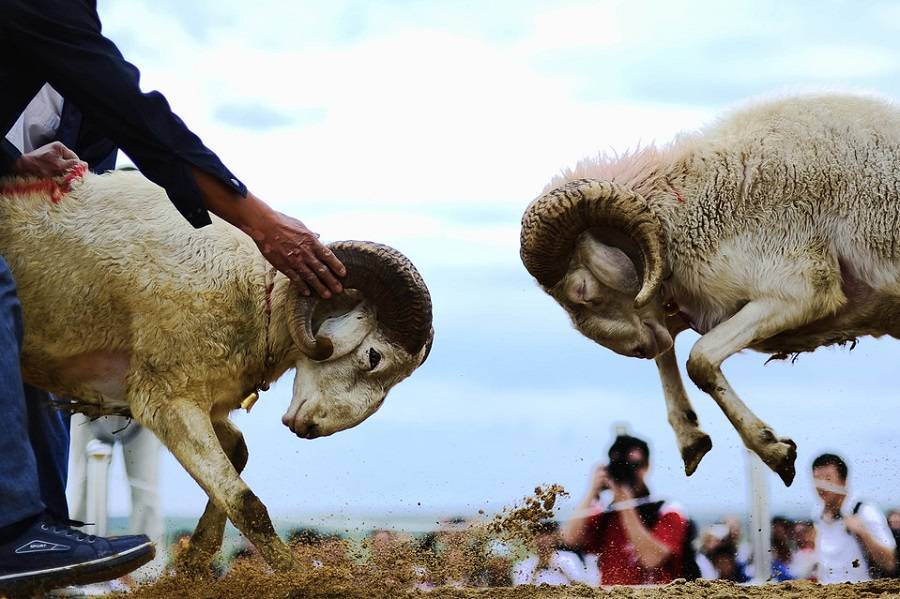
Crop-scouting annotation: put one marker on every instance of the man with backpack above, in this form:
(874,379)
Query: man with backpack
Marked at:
(639,539)
(853,540)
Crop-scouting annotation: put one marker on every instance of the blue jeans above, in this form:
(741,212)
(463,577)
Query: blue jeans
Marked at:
(34,438)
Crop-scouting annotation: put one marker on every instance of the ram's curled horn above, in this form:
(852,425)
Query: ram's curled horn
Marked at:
(300,320)
(391,285)
(552,223)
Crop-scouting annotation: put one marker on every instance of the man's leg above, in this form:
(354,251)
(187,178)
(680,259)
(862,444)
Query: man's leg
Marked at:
(20,489)
(49,432)
(38,550)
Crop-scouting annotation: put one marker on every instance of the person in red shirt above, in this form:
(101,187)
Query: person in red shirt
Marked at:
(639,540)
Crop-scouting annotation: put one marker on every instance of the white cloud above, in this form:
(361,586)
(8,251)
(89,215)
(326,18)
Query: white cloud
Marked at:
(420,116)
(588,25)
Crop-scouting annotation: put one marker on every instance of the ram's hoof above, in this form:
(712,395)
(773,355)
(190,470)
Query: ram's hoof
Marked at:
(694,451)
(780,457)
(281,560)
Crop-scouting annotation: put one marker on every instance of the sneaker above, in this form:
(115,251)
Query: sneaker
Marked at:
(48,553)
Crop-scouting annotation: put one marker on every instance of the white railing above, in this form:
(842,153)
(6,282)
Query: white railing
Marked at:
(99,456)
(760,518)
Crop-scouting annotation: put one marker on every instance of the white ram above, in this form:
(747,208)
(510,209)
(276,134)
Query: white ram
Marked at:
(132,311)
(776,229)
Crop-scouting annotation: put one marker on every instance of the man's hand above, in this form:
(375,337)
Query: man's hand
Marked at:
(600,481)
(284,241)
(297,252)
(854,525)
(47,162)
(881,554)
(621,492)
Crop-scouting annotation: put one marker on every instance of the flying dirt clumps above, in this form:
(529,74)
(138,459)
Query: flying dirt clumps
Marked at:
(460,556)
(522,523)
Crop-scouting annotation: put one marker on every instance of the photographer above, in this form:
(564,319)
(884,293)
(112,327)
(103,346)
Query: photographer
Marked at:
(640,540)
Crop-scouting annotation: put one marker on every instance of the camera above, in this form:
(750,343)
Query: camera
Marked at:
(626,456)
(623,472)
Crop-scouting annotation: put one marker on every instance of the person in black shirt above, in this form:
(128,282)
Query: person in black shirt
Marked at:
(60,42)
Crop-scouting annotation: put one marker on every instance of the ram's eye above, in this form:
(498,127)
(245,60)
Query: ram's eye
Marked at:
(374,358)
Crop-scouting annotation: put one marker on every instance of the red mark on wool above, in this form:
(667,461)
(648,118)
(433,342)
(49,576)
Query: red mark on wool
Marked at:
(677,193)
(76,173)
(50,187)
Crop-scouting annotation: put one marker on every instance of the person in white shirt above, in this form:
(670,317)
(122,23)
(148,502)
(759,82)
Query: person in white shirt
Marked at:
(851,535)
(551,565)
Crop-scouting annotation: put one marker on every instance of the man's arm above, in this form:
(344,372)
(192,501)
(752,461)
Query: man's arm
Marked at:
(881,552)
(574,533)
(651,551)
(301,257)
(61,41)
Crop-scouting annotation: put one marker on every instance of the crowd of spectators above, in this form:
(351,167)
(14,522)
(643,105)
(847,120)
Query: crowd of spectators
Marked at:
(448,557)
(630,537)
(723,555)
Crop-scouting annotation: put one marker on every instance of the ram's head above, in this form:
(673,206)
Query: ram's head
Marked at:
(356,346)
(597,249)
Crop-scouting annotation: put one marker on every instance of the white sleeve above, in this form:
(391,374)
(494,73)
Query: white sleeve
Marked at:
(523,571)
(38,123)
(877,525)
(15,135)
(572,566)
(592,569)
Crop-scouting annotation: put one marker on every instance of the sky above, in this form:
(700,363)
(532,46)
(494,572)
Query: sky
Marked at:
(429,126)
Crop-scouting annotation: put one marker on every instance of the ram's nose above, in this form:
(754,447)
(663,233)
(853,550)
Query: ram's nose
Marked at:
(292,416)
(641,351)
(306,430)
(646,350)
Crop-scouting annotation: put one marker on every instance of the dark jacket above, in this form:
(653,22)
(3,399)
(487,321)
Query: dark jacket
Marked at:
(59,41)
(85,139)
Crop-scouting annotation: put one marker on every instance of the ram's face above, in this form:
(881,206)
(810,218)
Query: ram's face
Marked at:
(598,292)
(343,390)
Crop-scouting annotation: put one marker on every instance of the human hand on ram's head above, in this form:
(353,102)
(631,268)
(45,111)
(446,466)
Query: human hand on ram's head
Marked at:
(356,346)
(596,248)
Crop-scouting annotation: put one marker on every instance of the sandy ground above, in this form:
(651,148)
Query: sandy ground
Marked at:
(399,566)
(276,588)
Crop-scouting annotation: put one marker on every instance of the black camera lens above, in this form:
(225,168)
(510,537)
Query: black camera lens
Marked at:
(623,472)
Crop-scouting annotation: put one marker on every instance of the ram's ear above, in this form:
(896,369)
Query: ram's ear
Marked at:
(346,331)
(610,265)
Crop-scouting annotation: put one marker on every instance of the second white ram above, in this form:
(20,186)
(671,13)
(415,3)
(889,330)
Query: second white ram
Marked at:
(776,229)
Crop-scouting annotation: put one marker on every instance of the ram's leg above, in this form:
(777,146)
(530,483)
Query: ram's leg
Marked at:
(756,321)
(188,433)
(693,443)
(207,538)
